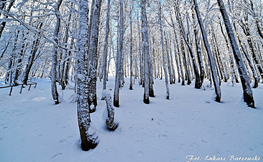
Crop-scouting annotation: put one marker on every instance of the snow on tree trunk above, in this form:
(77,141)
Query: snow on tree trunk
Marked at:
(131,48)
(198,49)
(3,24)
(178,60)
(109,119)
(250,62)
(209,53)
(146,51)
(247,91)
(54,90)
(168,59)
(106,46)
(260,32)
(233,72)
(162,41)
(198,83)
(118,63)
(89,139)
(65,55)
(93,58)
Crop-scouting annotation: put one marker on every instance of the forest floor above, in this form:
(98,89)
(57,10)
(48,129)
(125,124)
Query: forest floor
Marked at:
(190,124)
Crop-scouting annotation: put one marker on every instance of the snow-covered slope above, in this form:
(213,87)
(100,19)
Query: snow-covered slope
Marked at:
(32,128)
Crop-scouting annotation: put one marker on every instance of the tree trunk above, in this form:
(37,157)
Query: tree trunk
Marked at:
(89,139)
(198,50)
(3,24)
(131,48)
(93,58)
(209,53)
(162,41)
(54,55)
(110,118)
(118,64)
(145,41)
(247,91)
(106,46)
(168,59)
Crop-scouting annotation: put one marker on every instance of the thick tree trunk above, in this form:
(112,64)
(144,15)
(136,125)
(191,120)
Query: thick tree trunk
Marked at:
(89,139)
(247,91)
(145,41)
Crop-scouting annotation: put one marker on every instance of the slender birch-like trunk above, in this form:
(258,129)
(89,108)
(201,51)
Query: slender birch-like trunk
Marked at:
(162,41)
(209,53)
(118,63)
(106,46)
(55,54)
(131,73)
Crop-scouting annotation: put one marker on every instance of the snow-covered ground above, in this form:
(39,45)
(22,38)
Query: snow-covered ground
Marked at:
(190,124)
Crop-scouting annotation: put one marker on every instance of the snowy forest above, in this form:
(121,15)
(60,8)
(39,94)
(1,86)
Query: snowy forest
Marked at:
(93,53)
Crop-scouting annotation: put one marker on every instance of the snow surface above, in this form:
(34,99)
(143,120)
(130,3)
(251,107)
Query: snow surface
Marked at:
(33,128)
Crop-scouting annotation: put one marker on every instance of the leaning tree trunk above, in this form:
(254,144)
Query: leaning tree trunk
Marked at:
(247,91)
(3,24)
(209,53)
(197,76)
(146,51)
(89,139)
(250,62)
(230,56)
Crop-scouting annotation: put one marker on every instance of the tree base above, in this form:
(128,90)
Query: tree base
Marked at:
(218,98)
(249,100)
(255,83)
(88,141)
(112,126)
(56,102)
(88,145)
(116,103)
(151,93)
(146,100)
